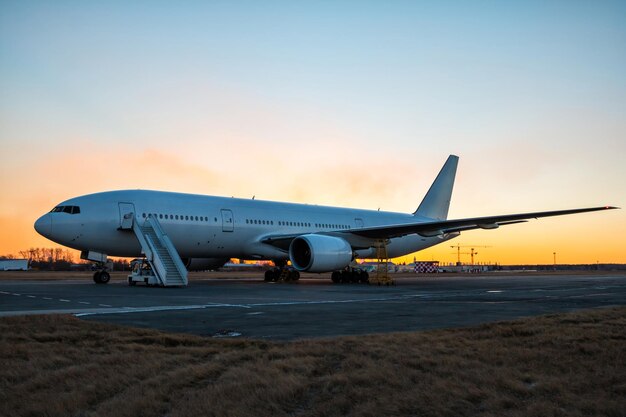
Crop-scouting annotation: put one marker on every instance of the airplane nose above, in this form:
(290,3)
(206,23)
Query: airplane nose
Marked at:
(43,225)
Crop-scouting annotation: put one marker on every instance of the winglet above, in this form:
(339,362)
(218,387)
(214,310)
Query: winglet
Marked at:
(436,202)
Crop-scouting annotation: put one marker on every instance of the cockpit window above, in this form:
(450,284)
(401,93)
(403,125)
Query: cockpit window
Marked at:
(66,209)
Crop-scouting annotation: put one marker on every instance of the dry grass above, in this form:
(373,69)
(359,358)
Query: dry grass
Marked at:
(557,365)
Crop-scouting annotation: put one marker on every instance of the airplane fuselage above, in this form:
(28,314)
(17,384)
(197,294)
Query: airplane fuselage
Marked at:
(213,227)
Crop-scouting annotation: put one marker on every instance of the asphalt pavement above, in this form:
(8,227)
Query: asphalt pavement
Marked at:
(313,308)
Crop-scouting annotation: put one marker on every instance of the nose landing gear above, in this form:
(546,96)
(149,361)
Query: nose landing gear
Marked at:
(101,277)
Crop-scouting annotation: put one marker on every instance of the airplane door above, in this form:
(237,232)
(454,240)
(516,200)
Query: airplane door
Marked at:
(127,215)
(228,224)
(358,223)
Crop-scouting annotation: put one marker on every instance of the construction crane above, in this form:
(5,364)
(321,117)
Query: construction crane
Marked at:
(471,253)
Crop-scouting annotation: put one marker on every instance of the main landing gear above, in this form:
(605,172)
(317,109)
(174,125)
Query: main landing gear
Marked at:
(101,276)
(350,275)
(281,274)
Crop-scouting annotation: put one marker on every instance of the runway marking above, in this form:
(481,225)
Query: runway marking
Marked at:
(7,293)
(14,293)
(46,298)
(31,296)
(83,302)
(65,301)
(127,310)
(104,305)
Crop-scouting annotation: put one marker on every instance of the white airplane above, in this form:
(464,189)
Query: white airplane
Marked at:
(204,232)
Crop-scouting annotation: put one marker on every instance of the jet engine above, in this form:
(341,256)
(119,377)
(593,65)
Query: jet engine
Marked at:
(204,264)
(319,253)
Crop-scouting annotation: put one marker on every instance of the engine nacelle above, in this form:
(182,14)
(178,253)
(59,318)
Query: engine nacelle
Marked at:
(319,253)
(204,264)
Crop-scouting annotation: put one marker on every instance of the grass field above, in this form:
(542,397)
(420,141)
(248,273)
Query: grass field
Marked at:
(557,365)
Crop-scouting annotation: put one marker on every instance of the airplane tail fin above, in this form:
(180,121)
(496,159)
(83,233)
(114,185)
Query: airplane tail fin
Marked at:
(436,202)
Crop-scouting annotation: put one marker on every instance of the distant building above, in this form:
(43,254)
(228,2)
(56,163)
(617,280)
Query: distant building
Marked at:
(13,264)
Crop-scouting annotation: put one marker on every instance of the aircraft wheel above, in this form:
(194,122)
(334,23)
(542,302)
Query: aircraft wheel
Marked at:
(295,275)
(104,277)
(96,277)
(131,283)
(275,274)
(269,275)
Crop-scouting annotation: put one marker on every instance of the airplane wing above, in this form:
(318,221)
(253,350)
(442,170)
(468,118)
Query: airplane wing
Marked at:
(439,227)
(429,228)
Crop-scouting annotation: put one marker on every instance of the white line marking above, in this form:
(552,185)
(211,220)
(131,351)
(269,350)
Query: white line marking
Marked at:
(104,305)
(14,293)
(151,309)
(217,305)
(47,298)
(65,301)
(31,296)
(83,302)
(7,293)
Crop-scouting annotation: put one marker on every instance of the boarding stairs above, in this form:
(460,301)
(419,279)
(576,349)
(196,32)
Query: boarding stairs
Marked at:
(160,253)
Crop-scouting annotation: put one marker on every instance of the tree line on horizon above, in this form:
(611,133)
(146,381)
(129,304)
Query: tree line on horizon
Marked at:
(59,259)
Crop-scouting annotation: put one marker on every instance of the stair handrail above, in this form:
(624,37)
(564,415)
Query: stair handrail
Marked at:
(169,246)
(157,265)
(147,251)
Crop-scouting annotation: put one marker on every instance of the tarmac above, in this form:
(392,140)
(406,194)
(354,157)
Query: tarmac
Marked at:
(314,308)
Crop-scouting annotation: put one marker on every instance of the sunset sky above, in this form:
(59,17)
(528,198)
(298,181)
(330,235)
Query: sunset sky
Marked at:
(354,104)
